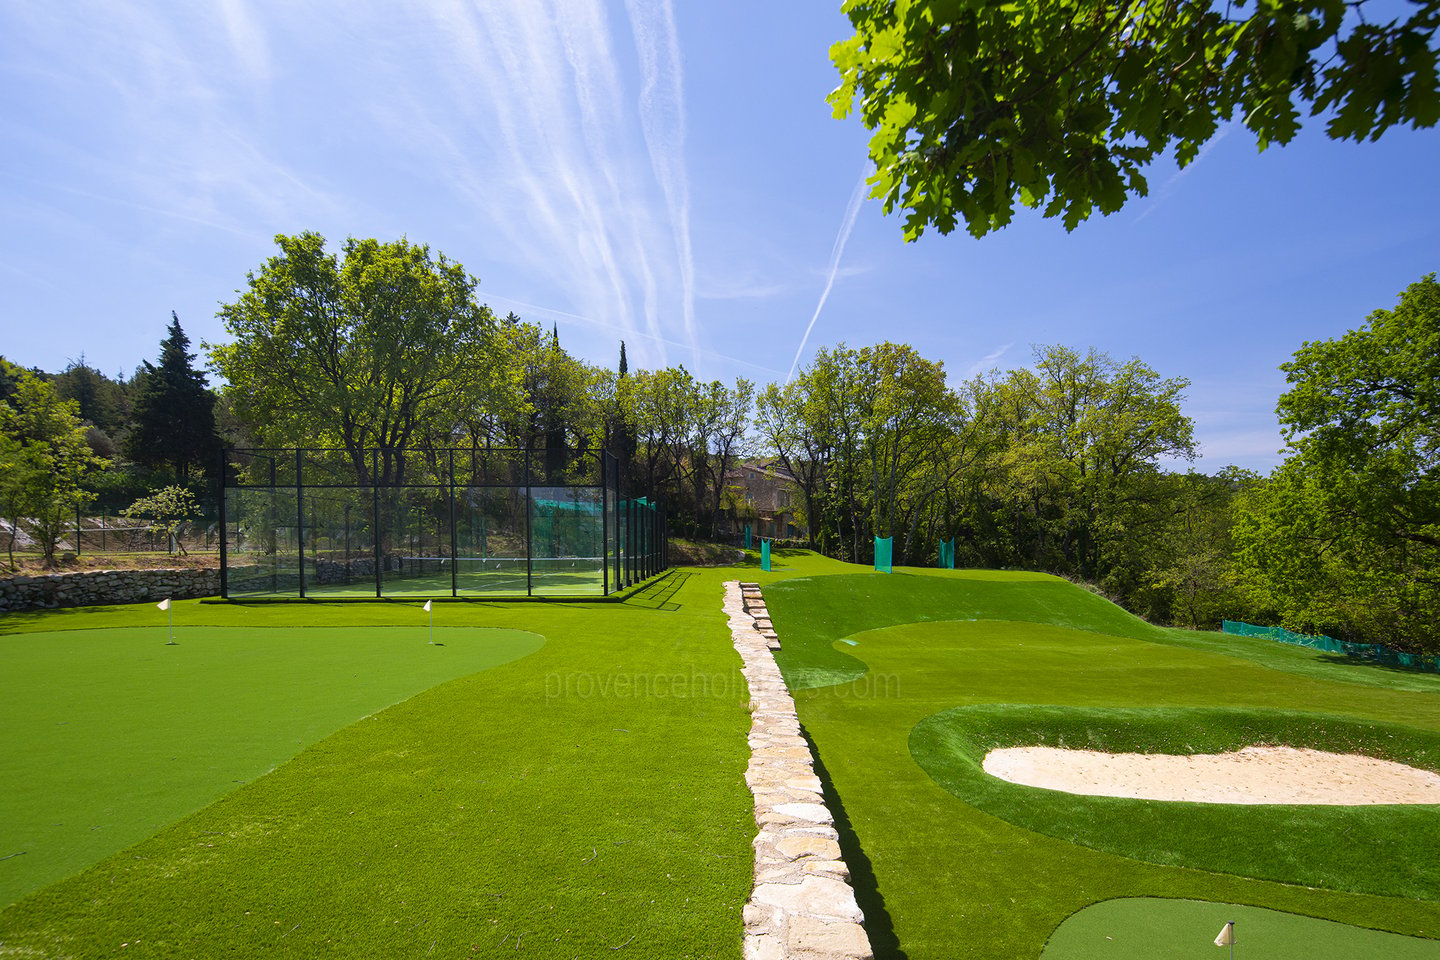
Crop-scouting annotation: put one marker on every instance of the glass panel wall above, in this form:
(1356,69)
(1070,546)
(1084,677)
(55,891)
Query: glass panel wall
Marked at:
(339,542)
(415,555)
(490,540)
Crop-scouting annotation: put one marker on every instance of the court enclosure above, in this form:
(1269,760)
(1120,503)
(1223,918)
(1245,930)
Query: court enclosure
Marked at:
(482,522)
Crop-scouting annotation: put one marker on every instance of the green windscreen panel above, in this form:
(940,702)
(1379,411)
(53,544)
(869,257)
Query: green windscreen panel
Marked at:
(882,554)
(747,537)
(1375,652)
(947,554)
(765,555)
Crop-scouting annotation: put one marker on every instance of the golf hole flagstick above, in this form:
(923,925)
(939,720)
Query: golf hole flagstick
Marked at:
(432,619)
(165,605)
(1227,937)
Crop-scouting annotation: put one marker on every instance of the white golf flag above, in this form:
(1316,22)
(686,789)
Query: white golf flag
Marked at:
(1227,936)
(164,604)
(427,606)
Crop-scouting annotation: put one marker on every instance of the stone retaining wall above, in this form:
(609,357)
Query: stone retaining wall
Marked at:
(102,587)
(802,906)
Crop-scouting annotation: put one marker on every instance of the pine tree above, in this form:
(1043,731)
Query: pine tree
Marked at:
(174,414)
(99,397)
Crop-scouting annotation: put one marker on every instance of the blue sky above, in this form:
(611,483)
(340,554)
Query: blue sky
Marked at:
(664,173)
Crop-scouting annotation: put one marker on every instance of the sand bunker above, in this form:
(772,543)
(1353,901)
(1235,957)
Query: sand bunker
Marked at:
(1251,775)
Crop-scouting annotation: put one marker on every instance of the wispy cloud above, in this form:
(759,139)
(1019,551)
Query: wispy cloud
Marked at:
(740,288)
(148,87)
(662,117)
(534,311)
(549,145)
(248,41)
(837,250)
(547,138)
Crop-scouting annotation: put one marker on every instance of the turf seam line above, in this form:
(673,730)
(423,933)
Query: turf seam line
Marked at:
(802,903)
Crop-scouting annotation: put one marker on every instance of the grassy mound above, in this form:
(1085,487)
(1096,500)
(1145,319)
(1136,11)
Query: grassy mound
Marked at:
(1381,849)
(835,607)
(940,877)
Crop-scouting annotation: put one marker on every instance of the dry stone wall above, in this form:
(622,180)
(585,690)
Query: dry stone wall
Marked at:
(102,587)
(802,906)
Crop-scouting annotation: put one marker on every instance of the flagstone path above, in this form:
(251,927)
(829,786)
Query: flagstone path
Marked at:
(802,906)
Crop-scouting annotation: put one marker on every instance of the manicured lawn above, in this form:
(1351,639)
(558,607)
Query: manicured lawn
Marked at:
(567,779)
(585,797)
(940,877)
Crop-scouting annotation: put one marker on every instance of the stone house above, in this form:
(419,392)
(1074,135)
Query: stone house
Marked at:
(765,490)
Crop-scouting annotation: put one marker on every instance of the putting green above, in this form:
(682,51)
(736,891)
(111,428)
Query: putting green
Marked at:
(1143,928)
(111,734)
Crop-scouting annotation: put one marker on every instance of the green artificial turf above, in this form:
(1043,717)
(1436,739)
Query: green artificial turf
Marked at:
(838,606)
(1143,929)
(549,579)
(112,733)
(1387,850)
(586,799)
(1306,661)
(938,877)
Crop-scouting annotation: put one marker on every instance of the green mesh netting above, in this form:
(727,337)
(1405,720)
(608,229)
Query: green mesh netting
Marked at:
(1361,651)
(882,554)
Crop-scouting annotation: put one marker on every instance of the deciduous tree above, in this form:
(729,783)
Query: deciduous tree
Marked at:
(1062,105)
(166,511)
(366,351)
(1346,536)
(43,461)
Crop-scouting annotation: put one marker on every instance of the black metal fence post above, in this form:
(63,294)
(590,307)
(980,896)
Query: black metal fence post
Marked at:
(454,546)
(529,530)
(300,520)
(375,519)
(224,562)
(604,523)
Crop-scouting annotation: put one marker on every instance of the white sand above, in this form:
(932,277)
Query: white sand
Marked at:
(1252,775)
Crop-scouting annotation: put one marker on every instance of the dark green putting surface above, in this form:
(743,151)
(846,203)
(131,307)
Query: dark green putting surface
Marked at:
(1146,928)
(111,734)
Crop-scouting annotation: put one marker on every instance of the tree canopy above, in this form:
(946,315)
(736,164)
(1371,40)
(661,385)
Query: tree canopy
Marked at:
(1061,105)
(43,460)
(366,351)
(1346,537)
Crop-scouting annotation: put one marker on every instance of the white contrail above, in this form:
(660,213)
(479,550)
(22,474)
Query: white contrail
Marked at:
(662,119)
(1163,193)
(857,197)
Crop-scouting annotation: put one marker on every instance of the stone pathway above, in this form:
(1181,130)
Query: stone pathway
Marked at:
(802,907)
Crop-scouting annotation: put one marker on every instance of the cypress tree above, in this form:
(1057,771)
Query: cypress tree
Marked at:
(622,439)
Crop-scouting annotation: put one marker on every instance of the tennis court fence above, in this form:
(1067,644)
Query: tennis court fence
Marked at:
(332,524)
